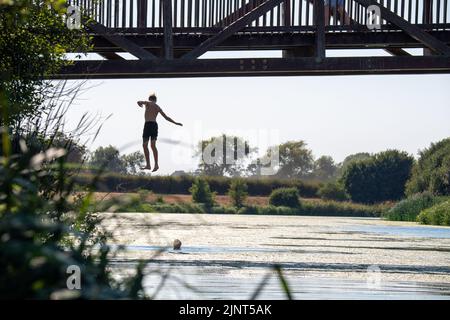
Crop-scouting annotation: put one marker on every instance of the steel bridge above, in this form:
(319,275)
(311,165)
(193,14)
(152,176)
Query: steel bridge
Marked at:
(168,37)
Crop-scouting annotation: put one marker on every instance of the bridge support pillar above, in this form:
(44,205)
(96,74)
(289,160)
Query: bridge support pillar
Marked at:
(168,35)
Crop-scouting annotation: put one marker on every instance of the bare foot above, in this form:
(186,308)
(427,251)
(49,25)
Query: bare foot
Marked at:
(146,168)
(155,168)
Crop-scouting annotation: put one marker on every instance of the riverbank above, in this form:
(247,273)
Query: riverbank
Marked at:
(148,202)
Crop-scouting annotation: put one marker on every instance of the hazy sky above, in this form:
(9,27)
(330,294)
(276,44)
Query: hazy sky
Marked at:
(336,116)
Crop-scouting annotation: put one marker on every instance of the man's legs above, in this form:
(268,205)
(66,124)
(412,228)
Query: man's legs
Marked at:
(146,154)
(155,154)
(344,13)
(340,10)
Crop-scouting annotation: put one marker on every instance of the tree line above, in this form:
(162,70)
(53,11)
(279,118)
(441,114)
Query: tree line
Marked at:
(296,161)
(362,177)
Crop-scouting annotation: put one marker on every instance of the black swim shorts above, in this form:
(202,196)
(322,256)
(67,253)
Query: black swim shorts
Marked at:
(150,130)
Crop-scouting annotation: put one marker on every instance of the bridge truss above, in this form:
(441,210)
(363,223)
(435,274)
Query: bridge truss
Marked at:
(167,38)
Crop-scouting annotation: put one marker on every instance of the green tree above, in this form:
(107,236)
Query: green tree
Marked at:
(223,156)
(33,42)
(39,142)
(107,158)
(254,169)
(432,170)
(295,160)
(133,162)
(201,193)
(324,169)
(238,192)
(76,152)
(382,177)
(351,159)
(332,191)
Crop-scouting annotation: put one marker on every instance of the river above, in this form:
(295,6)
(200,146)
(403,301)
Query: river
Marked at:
(233,256)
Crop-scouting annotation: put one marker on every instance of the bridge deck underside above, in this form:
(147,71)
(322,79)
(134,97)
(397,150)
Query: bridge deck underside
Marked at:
(168,38)
(160,68)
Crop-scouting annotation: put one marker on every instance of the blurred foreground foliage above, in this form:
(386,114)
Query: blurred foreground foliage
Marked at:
(34,40)
(42,234)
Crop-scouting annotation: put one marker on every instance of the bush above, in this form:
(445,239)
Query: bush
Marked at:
(159,199)
(438,214)
(332,191)
(113,182)
(341,209)
(408,209)
(281,210)
(380,178)
(308,208)
(432,170)
(287,197)
(238,192)
(318,208)
(223,210)
(201,193)
(249,210)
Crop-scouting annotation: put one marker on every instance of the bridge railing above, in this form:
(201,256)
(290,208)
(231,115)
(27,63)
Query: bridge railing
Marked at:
(291,15)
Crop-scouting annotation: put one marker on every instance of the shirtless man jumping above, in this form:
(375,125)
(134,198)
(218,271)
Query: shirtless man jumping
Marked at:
(151,129)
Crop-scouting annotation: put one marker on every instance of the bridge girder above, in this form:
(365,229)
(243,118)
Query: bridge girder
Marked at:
(161,68)
(171,52)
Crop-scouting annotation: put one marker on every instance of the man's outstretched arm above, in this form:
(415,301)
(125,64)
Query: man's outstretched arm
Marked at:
(141,103)
(168,118)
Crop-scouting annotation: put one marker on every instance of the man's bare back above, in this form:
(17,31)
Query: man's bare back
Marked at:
(151,111)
